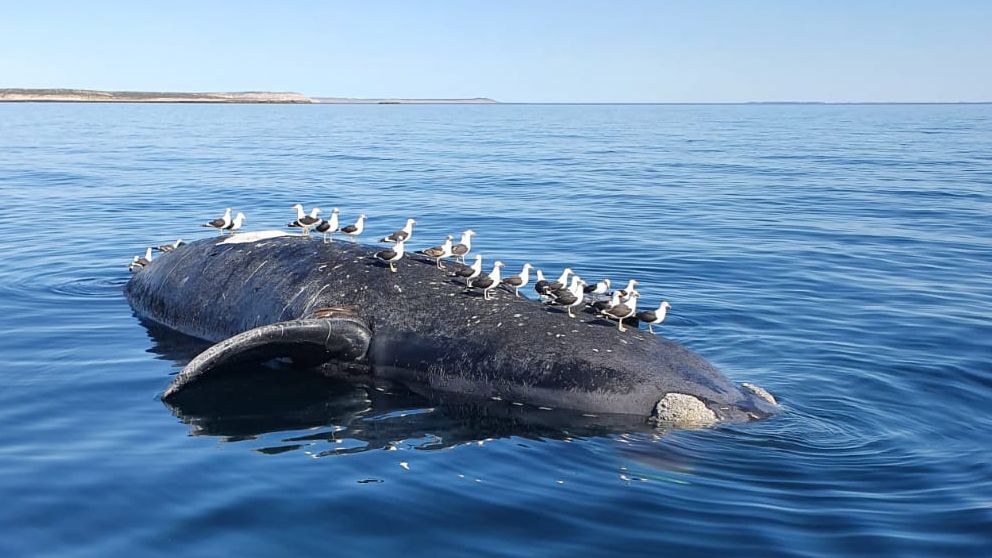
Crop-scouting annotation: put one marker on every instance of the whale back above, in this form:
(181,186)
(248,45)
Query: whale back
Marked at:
(428,332)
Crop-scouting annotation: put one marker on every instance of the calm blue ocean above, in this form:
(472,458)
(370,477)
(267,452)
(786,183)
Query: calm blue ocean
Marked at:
(839,256)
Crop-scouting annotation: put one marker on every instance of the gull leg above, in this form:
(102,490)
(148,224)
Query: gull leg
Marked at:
(620,325)
(651,328)
(570,315)
(392,267)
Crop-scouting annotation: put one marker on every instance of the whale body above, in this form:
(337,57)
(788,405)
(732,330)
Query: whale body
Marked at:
(334,308)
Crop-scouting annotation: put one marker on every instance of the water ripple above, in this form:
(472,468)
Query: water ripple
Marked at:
(837,255)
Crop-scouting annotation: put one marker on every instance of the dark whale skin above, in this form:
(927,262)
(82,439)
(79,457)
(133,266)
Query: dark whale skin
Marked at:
(427,331)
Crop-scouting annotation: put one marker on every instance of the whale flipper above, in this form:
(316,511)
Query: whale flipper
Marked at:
(311,342)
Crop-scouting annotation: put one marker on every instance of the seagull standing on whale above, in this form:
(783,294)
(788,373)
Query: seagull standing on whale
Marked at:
(630,289)
(354,230)
(221,223)
(559,283)
(299,214)
(329,226)
(602,287)
(622,311)
(654,317)
(391,255)
(236,223)
(603,305)
(169,247)
(541,283)
(488,282)
(403,234)
(440,252)
(518,282)
(464,245)
(471,272)
(138,263)
(570,297)
(306,221)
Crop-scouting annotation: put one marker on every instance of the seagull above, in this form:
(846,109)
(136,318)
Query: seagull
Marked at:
(559,283)
(628,290)
(299,214)
(519,281)
(329,226)
(306,221)
(222,223)
(169,247)
(488,282)
(601,305)
(138,263)
(570,297)
(402,234)
(464,246)
(623,310)
(564,291)
(471,272)
(542,284)
(654,317)
(236,223)
(602,287)
(391,255)
(440,252)
(354,230)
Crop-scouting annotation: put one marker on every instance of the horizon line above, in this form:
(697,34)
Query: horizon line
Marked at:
(491,100)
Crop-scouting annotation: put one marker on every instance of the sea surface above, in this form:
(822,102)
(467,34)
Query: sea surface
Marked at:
(839,256)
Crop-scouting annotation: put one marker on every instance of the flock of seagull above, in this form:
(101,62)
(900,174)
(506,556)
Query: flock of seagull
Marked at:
(568,290)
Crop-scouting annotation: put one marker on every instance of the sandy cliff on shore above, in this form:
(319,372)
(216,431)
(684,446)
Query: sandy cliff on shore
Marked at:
(88,96)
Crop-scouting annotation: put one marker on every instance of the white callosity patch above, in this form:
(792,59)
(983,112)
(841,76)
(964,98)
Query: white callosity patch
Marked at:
(682,409)
(252,237)
(760,392)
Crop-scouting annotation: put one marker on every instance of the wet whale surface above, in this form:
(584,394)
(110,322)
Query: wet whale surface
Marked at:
(427,331)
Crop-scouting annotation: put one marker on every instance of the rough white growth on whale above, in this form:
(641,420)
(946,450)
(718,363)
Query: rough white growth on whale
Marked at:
(684,410)
(243,238)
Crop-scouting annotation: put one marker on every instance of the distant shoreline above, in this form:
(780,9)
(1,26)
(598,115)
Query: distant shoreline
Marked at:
(12,95)
(24,95)
(401,101)
(91,96)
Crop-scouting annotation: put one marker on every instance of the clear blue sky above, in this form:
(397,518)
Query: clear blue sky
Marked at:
(601,51)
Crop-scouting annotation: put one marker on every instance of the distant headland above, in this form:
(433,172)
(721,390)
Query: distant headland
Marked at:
(91,96)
